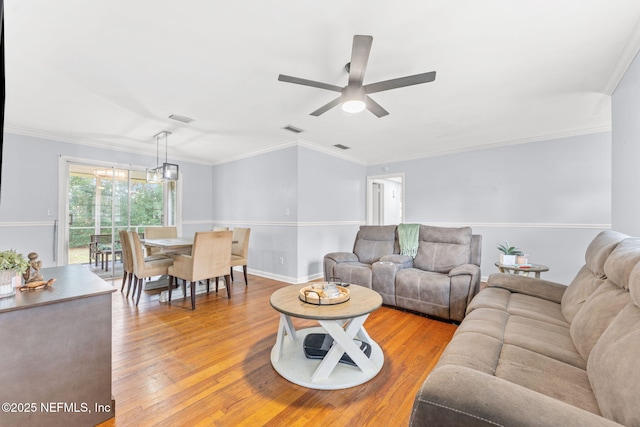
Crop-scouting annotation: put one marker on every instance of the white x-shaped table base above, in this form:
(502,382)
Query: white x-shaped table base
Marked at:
(288,357)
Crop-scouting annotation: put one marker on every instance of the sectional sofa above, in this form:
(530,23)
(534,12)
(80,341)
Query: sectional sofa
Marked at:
(440,279)
(531,352)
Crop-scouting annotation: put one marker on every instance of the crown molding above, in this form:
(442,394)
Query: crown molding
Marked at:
(498,144)
(299,142)
(90,143)
(626,57)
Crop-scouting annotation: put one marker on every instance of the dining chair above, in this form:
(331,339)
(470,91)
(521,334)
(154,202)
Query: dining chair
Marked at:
(159,233)
(145,267)
(127,260)
(240,250)
(220,228)
(210,257)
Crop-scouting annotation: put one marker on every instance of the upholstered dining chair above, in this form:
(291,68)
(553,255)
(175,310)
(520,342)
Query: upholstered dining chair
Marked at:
(210,257)
(240,250)
(159,233)
(127,261)
(145,267)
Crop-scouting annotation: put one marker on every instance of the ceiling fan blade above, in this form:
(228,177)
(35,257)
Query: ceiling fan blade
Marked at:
(400,82)
(327,107)
(359,58)
(311,83)
(374,107)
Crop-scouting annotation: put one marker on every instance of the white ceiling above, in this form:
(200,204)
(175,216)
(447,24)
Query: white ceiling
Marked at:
(110,72)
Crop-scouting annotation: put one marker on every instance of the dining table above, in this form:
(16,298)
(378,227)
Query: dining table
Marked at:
(170,246)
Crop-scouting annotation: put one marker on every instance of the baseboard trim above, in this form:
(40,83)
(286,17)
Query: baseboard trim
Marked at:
(286,279)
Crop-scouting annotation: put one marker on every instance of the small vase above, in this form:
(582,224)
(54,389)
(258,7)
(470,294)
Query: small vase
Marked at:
(507,259)
(7,283)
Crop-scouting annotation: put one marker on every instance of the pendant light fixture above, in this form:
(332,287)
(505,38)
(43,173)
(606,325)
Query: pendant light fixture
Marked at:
(165,171)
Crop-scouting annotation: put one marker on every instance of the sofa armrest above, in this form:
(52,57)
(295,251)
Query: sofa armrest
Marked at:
(405,261)
(465,284)
(469,269)
(339,257)
(333,258)
(540,288)
(461,396)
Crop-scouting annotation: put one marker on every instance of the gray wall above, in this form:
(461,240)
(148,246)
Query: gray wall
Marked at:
(299,203)
(549,198)
(30,190)
(625,107)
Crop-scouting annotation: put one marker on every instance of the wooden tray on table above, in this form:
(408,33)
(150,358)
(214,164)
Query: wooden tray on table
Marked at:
(313,295)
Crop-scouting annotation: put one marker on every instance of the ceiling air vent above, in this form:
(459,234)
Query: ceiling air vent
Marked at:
(342,147)
(178,118)
(292,129)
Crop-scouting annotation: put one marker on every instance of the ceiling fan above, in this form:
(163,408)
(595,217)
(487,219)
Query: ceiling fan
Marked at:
(354,97)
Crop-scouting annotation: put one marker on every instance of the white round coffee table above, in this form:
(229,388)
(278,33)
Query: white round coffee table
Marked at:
(344,322)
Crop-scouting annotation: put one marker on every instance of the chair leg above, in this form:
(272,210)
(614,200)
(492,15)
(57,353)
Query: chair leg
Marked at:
(193,295)
(231,274)
(139,292)
(244,269)
(124,279)
(131,277)
(208,280)
(184,288)
(217,284)
(227,280)
(170,286)
(135,287)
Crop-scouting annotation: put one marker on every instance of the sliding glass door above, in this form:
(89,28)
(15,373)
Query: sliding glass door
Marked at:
(104,200)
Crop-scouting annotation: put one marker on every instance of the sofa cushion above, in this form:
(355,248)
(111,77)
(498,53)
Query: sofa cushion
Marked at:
(441,249)
(544,338)
(547,376)
(374,242)
(592,273)
(357,273)
(612,362)
(423,291)
(608,299)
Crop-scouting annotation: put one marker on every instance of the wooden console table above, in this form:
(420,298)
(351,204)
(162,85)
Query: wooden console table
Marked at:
(55,352)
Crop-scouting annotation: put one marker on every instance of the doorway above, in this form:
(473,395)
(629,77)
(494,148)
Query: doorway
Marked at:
(98,201)
(385,199)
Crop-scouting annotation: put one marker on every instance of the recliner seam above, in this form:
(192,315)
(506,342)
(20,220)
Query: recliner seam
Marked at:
(462,412)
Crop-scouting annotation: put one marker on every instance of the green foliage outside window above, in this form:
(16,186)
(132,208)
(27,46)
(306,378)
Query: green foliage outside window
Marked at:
(85,190)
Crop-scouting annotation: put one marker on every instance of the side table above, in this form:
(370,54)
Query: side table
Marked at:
(523,270)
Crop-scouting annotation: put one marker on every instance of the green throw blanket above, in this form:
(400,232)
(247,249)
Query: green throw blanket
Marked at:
(408,238)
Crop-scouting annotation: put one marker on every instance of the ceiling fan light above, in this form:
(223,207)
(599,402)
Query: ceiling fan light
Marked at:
(353,106)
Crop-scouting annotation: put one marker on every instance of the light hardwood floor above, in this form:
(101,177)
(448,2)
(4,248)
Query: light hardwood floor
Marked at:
(176,367)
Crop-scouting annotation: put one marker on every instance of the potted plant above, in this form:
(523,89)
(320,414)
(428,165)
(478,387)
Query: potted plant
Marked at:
(508,253)
(11,265)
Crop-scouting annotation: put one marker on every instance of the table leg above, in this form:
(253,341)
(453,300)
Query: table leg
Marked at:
(284,328)
(343,343)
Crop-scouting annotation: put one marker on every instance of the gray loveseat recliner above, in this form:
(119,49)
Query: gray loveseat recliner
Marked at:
(440,281)
(531,352)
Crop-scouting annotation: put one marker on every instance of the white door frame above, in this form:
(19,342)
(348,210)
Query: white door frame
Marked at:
(370,181)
